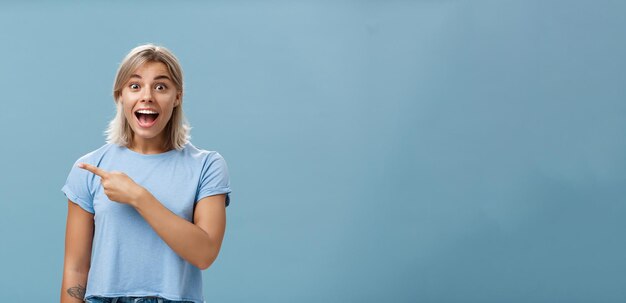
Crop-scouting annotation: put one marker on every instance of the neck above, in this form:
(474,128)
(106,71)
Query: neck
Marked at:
(147,146)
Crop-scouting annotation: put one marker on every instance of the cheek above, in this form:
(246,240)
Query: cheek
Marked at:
(167,115)
(128,113)
(127,110)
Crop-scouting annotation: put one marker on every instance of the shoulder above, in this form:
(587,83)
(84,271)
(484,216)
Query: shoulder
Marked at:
(95,156)
(202,155)
(209,162)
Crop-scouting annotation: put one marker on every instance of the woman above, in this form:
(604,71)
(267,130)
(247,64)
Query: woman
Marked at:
(149,203)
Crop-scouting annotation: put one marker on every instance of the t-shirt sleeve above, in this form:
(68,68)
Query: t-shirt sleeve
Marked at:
(214,178)
(77,187)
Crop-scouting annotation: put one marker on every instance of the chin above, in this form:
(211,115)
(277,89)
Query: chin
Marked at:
(145,135)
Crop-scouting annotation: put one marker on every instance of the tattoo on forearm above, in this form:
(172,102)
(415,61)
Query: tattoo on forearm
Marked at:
(77,291)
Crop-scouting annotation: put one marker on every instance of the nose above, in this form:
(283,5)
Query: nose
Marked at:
(146,95)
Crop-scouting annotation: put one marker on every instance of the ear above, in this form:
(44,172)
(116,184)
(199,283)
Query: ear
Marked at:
(178,99)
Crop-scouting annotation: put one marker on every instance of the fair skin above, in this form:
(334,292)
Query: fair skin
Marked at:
(149,87)
(197,242)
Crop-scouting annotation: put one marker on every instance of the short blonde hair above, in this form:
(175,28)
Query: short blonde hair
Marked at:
(177,129)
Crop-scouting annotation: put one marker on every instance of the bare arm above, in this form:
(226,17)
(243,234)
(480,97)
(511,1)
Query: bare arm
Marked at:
(77,260)
(198,242)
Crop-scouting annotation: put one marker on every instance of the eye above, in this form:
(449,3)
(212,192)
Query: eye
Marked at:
(134,86)
(160,87)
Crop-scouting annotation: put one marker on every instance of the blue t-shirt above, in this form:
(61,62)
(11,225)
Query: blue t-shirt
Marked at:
(128,257)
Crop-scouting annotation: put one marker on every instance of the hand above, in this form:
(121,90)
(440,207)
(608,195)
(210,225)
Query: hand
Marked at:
(117,185)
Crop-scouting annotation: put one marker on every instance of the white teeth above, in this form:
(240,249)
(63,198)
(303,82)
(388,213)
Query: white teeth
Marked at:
(146,111)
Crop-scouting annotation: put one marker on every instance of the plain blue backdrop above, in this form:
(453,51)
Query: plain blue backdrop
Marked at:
(380,151)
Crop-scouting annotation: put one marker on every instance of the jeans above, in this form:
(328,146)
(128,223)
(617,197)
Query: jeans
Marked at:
(132,300)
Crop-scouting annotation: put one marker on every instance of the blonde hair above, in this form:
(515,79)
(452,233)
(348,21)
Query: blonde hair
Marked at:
(177,129)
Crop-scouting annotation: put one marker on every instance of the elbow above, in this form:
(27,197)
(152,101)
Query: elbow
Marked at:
(206,262)
(203,266)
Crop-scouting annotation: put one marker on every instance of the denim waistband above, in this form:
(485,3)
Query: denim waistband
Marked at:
(132,300)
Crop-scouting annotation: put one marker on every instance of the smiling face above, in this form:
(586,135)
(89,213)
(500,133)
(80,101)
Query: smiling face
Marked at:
(148,98)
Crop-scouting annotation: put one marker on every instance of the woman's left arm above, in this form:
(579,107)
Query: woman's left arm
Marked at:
(198,242)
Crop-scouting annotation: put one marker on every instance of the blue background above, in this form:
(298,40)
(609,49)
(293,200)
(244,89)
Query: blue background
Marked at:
(380,151)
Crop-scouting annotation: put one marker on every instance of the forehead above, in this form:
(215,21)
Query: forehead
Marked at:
(151,69)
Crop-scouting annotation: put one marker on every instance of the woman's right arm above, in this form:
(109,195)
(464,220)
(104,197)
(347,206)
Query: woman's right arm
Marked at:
(77,261)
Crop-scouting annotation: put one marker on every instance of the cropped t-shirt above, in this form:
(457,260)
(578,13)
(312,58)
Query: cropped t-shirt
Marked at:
(128,257)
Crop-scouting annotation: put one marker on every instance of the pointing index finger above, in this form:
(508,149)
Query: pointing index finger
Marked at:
(94,169)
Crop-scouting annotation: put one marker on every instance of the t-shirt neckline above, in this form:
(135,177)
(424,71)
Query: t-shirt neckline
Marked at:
(148,156)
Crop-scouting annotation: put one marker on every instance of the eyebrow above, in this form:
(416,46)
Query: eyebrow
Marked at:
(159,77)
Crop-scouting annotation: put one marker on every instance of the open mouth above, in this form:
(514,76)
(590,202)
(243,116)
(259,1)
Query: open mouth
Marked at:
(146,118)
